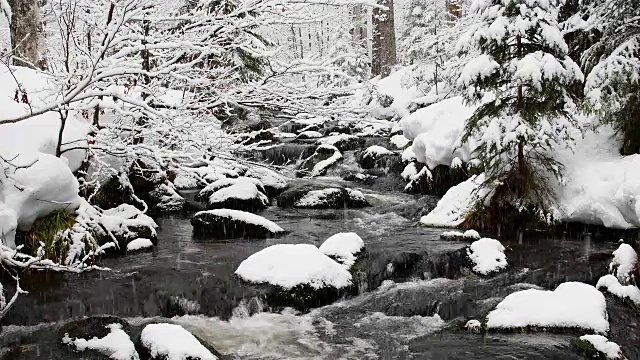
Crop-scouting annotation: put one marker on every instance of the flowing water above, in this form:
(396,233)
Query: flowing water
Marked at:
(416,297)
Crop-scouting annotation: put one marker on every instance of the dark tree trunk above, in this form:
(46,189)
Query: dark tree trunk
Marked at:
(26,33)
(384,40)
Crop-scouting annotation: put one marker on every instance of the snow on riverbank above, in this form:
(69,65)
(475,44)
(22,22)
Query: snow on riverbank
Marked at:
(454,205)
(570,305)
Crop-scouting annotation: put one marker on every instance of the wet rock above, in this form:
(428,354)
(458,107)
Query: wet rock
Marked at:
(165,199)
(343,142)
(378,157)
(164,341)
(231,224)
(89,328)
(310,196)
(302,297)
(325,157)
(257,137)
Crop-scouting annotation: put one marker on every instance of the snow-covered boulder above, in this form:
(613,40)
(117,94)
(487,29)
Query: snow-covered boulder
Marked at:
(230,224)
(259,137)
(309,196)
(624,263)
(139,244)
(105,335)
(570,305)
(199,176)
(457,235)
(204,194)
(343,247)
(124,223)
(172,342)
(166,199)
(370,157)
(40,184)
(273,182)
(487,256)
(454,205)
(325,157)
(399,141)
(297,275)
(242,195)
(625,292)
(306,135)
(343,142)
(597,347)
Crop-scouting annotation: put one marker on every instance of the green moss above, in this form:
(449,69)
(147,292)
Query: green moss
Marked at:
(49,230)
(587,350)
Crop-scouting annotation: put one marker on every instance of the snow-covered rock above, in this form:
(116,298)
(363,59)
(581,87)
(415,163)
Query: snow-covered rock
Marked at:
(487,256)
(624,263)
(242,195)
(471,234)
(601,344)
(454,205)
(40,184)
(290,265)
(473,326)
(172,342)
(611,284)
(399,141)
(369,157)
(167,199)
(229,224)
(116,345)
(570,305)
(309,135)
(273,182)
(325,157)
(334,198)
(410,171)
(457,235)
(343,142)
(139,244)
(343,247)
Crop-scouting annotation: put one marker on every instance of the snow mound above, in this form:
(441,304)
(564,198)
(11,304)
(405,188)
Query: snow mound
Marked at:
(375,151)
(570,305)
(610,349)
(473,325)
(612,285)
(242,190)
(467,235)
(487,256)
(410,171)
(37,184)
(392,85)
(343,246)
(454,205)
(624,263)
(290,265)
(173,342)
(116,345)
(310,135)
(471,234)
(399,141)
(139,244)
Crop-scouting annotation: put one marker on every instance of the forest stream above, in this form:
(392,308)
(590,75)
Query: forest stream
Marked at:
(413,304)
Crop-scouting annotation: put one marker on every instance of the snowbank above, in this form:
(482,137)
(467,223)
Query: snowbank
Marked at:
(610,349)
(343,246)
(624,263)
(40,184)
(116,345)
(173,342)
(454,205)
(612,285)
(289,265)
(570,305)
(487,256)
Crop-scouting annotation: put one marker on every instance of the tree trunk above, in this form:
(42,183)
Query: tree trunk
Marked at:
(26,33)
(384,40)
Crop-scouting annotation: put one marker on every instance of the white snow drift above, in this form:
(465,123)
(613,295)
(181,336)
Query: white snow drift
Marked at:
(570,305)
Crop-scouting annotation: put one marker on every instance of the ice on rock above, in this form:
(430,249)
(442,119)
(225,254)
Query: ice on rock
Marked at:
(610,349)
(343,246)
(116,345)
(570,305)
(487,256)
(173,342)
(290,265)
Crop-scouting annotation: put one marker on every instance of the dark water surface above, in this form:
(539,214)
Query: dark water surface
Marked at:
(416,297)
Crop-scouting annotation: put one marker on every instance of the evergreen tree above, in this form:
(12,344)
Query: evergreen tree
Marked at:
(524,66)
(612,85)
(349,56)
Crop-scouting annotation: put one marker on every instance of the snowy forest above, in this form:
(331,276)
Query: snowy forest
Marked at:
(310,179)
